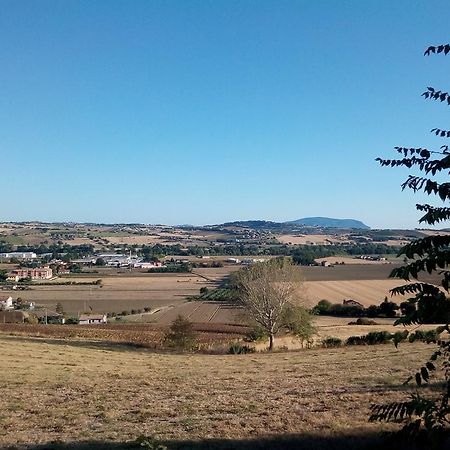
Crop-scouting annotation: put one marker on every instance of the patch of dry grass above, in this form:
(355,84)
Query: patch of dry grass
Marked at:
(80,391)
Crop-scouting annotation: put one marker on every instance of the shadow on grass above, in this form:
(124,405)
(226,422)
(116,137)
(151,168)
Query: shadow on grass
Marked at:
(82,343)
(368,441)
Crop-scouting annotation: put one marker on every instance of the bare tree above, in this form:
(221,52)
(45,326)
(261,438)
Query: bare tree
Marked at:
(266,290)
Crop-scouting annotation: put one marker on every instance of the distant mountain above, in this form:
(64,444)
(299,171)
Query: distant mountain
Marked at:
(327,222)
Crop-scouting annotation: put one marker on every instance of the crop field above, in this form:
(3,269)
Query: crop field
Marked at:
(367,292)
(57,391)
(118,293)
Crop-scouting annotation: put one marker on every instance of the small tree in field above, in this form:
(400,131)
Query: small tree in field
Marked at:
(266,290)
(181,334)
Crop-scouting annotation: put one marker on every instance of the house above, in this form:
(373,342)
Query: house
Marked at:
(86,319)
(147,265)
(353,303)
(6,302)
(41,273)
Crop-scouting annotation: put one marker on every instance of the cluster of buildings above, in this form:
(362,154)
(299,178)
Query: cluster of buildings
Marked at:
(21,256)
(40,273)
(118,260)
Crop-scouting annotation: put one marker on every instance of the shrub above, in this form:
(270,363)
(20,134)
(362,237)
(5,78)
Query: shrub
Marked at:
(378,337)
(337,309)
(300,323)
(239,349)
(425,336)
(372,311)
(356,340)
(256,334)
(322,307)
(181,334)
(400,336)
(72,321)
(363,321)
(330,342)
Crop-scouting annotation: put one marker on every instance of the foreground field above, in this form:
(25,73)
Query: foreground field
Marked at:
(60,391)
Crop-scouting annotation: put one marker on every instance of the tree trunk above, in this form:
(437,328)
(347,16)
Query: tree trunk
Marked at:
(271,341)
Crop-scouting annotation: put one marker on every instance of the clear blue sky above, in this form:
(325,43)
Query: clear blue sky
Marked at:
(210,111)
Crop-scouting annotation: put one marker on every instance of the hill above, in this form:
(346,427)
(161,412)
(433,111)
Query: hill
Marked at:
(327,222)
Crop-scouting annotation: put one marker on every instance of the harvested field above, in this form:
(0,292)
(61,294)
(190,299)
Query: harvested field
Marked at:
(57,391)
(122,292)
(367,292)
(349,260)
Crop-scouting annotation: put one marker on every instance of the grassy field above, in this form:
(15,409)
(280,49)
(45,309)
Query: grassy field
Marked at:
(56,392)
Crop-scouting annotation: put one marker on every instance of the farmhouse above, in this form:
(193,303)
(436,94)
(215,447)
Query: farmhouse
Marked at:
(353,303)
(147,265)
(6,302)
(86,319)
(42,273)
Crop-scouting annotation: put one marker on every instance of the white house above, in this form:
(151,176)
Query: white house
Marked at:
(6,302)
(87,319)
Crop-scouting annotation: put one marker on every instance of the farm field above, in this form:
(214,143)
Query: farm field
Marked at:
(367,292)
(123,290)
(57,392)
(119,293)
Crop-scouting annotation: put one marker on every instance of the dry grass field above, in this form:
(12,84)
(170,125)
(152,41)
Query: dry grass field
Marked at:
(367,292)
(118,293)
(56,392)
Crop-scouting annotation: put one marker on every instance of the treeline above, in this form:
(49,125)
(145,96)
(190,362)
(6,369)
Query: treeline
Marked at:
(305,254)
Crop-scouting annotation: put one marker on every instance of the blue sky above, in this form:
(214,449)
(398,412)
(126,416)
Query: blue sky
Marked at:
(210,111)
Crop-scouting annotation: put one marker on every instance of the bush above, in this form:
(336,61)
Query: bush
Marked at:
(181,334)
(356,340)
(323,307)
(300,323)
(72,321)
(239,349)
(372,338)
(378,337)
(363,321)
(425,336)
(338,309)
(256,334)
(331,342)
(400,336)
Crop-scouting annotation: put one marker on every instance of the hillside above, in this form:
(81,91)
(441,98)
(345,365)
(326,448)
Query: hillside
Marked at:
(327,222)
(89,394)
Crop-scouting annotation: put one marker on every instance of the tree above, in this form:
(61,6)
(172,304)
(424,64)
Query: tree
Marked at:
(59,308)
(424,415)
(266,290)
(300,323)
(181,334)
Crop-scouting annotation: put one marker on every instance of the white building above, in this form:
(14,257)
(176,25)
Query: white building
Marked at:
(86,319)
(6,302)
(18,255)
